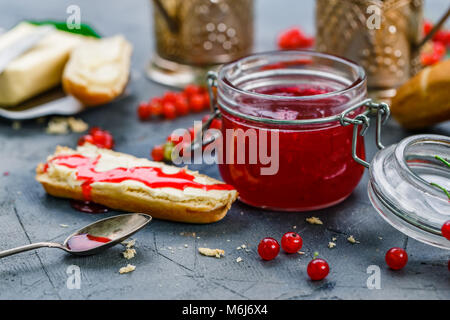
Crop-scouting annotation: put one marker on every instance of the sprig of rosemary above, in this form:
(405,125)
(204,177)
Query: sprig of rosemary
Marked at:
(435,184)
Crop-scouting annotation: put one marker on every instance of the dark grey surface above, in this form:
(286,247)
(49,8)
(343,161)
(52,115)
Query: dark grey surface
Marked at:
(27,214)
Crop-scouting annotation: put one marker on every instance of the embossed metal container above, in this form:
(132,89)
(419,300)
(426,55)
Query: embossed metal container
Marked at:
(193,35)
(387,51)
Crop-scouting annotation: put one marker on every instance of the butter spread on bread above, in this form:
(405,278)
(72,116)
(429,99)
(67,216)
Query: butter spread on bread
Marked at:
(98,70)
(123,182)
(38,69)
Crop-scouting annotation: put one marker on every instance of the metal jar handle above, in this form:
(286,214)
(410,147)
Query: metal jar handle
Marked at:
(373,109)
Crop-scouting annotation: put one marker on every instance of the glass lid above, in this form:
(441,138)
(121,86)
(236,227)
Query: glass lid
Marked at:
(409,185)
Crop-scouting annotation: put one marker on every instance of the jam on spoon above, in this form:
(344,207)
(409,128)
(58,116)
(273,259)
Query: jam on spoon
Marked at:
(85,241)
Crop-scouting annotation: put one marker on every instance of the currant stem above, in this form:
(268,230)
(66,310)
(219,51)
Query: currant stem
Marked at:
(443,161)
(435,184)
(442,188)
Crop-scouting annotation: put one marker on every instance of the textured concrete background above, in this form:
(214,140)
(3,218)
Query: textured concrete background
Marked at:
(27,214)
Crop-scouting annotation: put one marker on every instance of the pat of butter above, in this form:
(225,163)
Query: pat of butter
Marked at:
(38,69)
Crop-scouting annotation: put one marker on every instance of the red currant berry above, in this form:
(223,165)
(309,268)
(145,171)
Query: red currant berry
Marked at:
(196,102)
(158,153)
(191,89)
(100,138)
(268,248)
(291,242)
(446,230)
(206,103)
(181,105)
(86,138)
(396,258)
(170,96)
(318,269)
(103,139)
(169,110)
(427,26)
(155,106)
(192,133)
(216,124)
(144,111)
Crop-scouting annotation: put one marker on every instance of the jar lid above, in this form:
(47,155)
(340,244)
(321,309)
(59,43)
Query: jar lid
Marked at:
(407,183)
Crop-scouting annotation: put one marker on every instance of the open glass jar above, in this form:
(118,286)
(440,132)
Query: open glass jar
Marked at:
(298,95)
(403,187)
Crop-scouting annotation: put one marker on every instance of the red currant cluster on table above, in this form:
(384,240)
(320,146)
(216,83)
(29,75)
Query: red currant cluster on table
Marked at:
(98,137)
(291,242)
(294,38)
(173,104)
(436,51)
(164,151)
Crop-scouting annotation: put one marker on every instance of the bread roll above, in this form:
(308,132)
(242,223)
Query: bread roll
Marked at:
(206,200)
(98,70)
(425,99)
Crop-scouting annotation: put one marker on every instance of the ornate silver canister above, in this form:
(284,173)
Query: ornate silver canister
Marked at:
(192,36)
(382,36)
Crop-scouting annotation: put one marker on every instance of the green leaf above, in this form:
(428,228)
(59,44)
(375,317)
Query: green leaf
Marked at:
(85,30)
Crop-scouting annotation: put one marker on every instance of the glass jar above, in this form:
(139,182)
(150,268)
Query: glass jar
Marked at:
(402,187)
(317,105)
(299,96)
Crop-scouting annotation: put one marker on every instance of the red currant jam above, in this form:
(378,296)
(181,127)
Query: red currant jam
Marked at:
(315,165)
(82,242)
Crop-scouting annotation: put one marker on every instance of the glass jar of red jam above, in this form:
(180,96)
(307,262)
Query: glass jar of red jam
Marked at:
(299,95)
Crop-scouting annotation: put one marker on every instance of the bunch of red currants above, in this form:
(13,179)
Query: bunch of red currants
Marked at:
(172,104)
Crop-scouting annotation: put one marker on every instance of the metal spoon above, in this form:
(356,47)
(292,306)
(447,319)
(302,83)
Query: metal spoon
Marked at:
(117,229)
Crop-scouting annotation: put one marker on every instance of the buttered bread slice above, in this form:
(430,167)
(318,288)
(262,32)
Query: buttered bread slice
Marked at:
(124,182)
(98,70)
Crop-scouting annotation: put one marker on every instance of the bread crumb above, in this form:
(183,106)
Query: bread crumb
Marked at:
(77,125)
(228,240)
(331,245)
(187,234)
(301,252)
(61,125)
(129,243)
(294,227)
(243,246)
(239,259)
(314,220)
(211,252)
(16,125)
(57,125)
(185,245)
(351,239)
(333,239)
(128,268)
(63,225)
(129,253)
(41,120)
